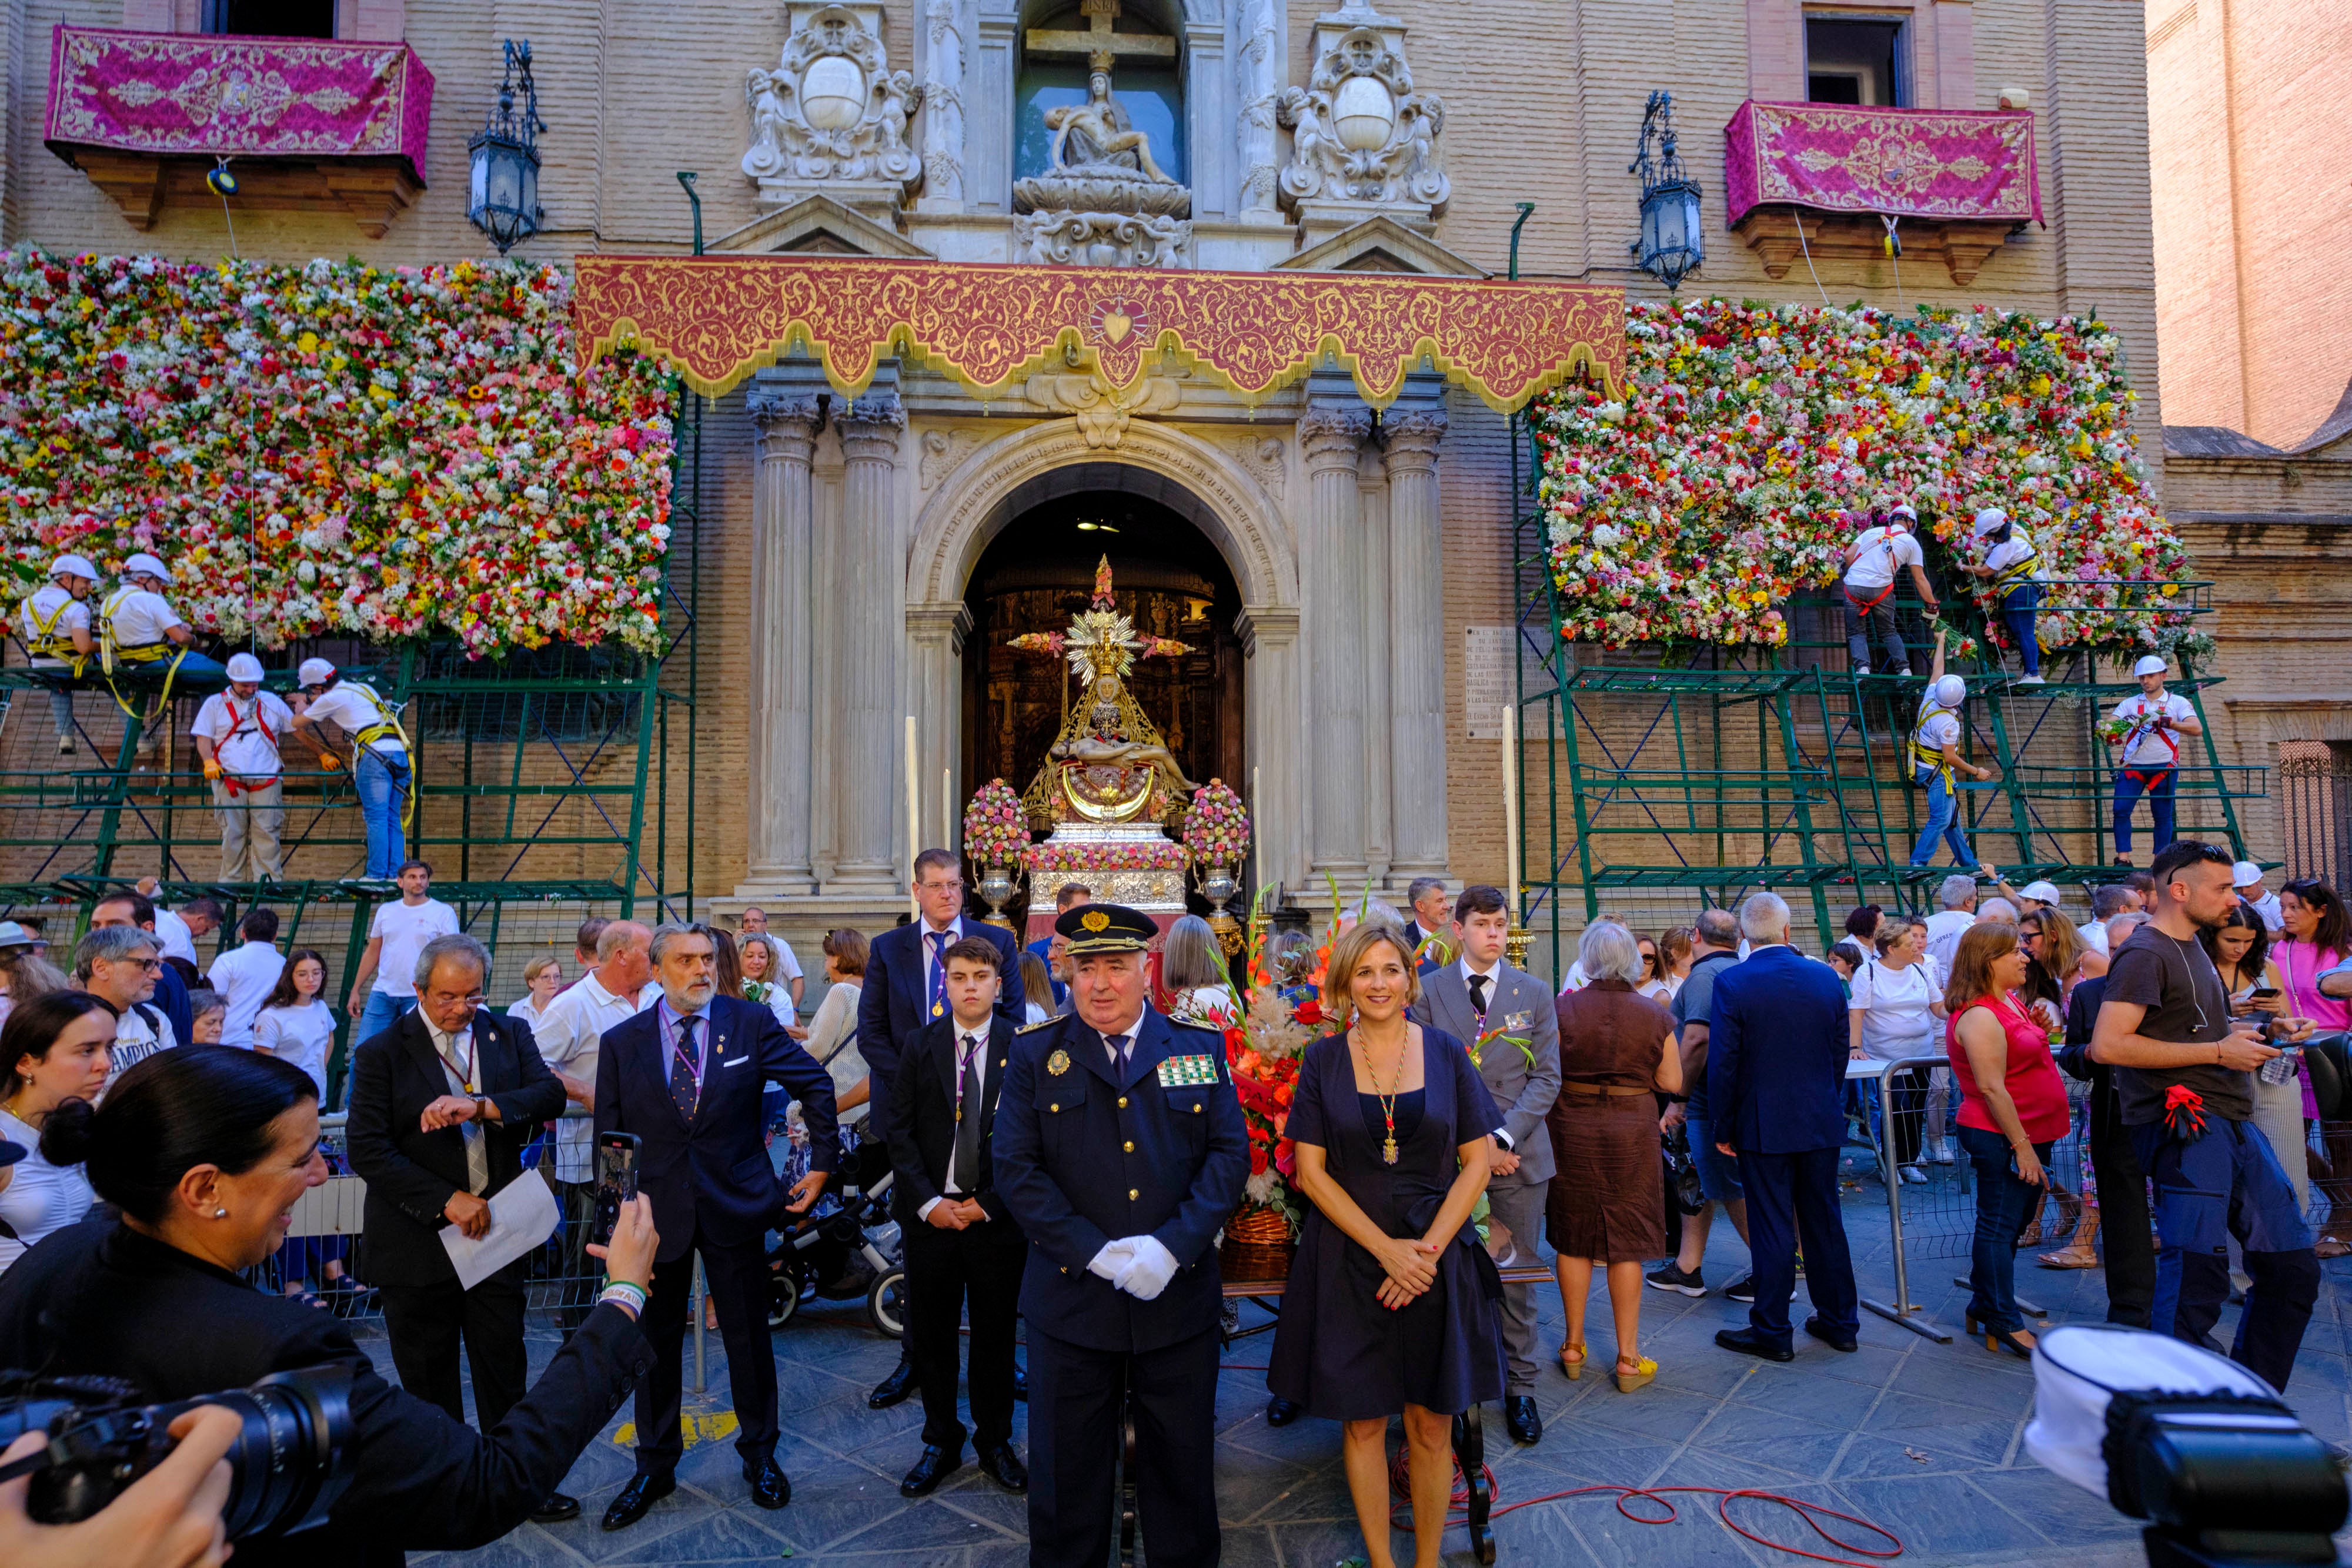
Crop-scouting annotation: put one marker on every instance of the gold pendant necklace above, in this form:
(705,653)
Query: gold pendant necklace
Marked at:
(1388,1102)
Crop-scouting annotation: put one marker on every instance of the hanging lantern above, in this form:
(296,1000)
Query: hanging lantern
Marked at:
(1672,245)
(504,201)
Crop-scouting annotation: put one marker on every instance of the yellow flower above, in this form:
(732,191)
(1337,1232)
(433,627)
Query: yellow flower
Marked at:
(308,342)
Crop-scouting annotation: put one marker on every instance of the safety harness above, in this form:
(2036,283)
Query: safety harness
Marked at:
(1930,757)
(45,636)
(1863,607)
(385,728)
(237,783)
(109,651)
(2144,726)
(2017,572)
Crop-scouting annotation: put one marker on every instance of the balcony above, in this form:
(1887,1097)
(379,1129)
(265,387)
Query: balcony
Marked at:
(307,124)
(1820,179)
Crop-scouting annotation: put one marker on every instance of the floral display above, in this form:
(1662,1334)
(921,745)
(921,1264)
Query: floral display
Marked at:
(995,828)
(1217,828)
(1733,473)
(335,449)
(1084,854)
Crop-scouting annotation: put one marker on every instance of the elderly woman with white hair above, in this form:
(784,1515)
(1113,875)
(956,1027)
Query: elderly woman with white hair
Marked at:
(1607,1202)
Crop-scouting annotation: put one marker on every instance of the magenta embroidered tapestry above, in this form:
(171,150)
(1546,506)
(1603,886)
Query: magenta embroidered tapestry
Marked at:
(1901,162)
(206,95)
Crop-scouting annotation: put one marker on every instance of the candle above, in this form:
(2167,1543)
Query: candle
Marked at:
(1510,815)
(947,807)
(914,821)
(1257,830)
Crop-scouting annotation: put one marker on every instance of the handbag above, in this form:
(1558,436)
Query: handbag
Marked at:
(1682,1173)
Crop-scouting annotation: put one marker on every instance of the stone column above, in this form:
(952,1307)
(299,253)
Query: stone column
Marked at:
(781,675)
(1332,638)
(1416,665)
(935,639)
(1269,637)
(1260,58)
(867,738)
(943,109)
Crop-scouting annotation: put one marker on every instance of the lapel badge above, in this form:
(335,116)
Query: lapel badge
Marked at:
(1058,1063)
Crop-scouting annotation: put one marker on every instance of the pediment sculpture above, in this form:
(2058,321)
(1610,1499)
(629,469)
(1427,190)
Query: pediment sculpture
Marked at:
(832,110)
(1362,134)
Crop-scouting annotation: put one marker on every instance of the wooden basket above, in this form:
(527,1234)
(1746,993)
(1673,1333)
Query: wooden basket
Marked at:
(1259,1226)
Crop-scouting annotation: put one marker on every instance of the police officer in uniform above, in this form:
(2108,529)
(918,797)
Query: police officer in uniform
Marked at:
(1121,1150)
(54,625)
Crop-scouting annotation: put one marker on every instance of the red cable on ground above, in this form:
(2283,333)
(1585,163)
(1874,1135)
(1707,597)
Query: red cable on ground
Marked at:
(1458,1511)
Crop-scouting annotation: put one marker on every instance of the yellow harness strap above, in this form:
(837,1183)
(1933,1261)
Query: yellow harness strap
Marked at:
(1926,756)
(46,641)
(2016,573)
(387,727)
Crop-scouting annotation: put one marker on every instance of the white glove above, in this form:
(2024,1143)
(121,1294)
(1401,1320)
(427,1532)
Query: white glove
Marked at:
(1151,1266)
(1113,1261)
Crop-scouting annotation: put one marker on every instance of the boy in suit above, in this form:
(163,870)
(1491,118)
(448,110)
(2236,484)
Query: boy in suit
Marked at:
(961,1240)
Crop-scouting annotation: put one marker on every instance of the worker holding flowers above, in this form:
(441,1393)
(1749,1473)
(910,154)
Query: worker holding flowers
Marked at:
(2148,728)
(2011,568)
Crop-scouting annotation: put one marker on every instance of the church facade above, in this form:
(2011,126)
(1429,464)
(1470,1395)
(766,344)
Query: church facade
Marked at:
(867,558)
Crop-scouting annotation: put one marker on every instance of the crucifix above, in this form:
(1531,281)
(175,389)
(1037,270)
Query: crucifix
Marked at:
(1100,46)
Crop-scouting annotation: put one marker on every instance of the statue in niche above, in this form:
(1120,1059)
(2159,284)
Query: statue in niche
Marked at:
(1097,135)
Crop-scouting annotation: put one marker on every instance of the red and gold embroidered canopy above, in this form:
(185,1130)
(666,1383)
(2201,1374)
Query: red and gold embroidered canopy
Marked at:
(719,319)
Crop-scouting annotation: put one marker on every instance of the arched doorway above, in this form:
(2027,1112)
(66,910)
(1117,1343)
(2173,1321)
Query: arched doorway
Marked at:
(1167,576)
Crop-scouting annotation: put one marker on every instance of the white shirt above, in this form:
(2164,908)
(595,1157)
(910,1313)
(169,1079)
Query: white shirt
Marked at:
(2094,936)
(353,707)
(1658,990)
(792,964)
(2267,906)
(570,1034)
(42,1198)
(1943,928)
(1883,551)
(526,1010)
(1897,1011)
(244,731)
(973,1040)
(1203,1007)
(135,1039)
(2019,546)
(302,1035)
(405,928)
(833,1041)
(1938,729)
(38,607)
(1577,978)
(140,618)
(2154,748)
(173,938)
(244,977)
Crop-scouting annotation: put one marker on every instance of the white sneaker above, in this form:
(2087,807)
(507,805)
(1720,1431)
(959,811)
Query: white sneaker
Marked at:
(65,745)
(2030,681)
(1914,1173)
(1943,1154)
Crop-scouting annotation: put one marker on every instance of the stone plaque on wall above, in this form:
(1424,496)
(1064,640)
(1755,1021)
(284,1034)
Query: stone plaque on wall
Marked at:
(1487,684)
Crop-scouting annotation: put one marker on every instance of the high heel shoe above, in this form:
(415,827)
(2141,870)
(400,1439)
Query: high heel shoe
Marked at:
(1575,1369)
(1643,1370)
(1999,1338)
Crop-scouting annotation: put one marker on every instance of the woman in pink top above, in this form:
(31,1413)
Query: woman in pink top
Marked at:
(2316,937)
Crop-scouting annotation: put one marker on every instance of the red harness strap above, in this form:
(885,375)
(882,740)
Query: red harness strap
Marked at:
(233,783)
(1862,607)
(2146,775)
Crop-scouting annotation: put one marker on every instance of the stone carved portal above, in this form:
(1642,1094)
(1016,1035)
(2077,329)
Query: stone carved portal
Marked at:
(1169,581)
(832,113)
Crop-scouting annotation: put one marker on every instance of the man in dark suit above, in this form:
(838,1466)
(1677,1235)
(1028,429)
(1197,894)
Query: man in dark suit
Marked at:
(1426,897)
(685,1076)
(1777,1050)
(906,993)
(1067,897)
(1121,1150)
(442,1104)
(2123,1185)
(961,1240)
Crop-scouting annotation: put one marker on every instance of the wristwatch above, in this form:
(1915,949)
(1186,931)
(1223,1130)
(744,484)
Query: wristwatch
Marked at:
(481,1108)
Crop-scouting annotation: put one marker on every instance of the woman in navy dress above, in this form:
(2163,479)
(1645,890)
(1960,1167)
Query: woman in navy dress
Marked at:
(1391,1305)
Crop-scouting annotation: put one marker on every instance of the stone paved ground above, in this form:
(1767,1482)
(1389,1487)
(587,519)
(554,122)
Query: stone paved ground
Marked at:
(1921,1437)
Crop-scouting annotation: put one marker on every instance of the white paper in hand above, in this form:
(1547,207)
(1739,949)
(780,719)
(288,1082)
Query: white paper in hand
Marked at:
(522,1216)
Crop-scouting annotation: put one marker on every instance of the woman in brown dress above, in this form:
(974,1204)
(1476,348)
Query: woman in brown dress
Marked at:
(1606,1203)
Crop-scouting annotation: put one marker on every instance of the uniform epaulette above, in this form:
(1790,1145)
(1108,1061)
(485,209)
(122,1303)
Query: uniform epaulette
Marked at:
(1034,1027)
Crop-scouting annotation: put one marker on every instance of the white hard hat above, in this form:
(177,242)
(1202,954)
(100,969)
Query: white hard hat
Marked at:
(73,565)
(2040,892)
(2245,874)
(2150,664)
(1906,510)
(1951,691)
(143,562)
(314,673)
(1989,521)
(243,667)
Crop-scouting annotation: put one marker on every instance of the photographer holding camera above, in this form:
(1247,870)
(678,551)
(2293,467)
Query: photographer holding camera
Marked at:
(168,1518)
(206,1150)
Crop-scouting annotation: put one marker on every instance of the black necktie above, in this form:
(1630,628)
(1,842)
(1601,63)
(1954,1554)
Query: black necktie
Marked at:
(965,1168)
(1478,995)
(684,1086)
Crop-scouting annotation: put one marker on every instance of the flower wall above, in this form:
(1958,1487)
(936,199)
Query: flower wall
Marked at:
(1723,484)
(335,449)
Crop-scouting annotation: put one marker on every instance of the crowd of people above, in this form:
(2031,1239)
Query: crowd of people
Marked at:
(1063,1142)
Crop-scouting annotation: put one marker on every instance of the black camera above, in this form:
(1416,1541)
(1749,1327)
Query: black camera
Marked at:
(286,1466)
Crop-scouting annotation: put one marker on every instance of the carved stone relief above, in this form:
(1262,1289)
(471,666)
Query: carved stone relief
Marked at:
(1363,139)
(1264,458)
(1101,239)
(942,450)
(832,115)
(1103,411)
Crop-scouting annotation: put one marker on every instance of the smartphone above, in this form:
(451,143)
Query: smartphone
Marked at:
(616,1182)
(2266,993)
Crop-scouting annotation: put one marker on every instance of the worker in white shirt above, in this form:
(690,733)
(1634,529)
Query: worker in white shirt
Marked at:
(2146,727)
(53,623)
(236,736)
(246,974)
(2012,568)
(2247,877)
(1935,757)
(1870,564)
(141,638)
(380,759)
(570,1034)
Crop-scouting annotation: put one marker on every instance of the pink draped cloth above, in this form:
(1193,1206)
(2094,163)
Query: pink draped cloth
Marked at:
(1900,163)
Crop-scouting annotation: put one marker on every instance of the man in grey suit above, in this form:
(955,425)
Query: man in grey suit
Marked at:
(1479,994)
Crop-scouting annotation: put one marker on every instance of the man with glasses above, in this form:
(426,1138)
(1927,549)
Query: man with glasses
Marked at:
(117,965)
(905,993)
(442,1104)
(2184,1075)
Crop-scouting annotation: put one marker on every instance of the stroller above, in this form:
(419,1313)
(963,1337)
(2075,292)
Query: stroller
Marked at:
(850,1238)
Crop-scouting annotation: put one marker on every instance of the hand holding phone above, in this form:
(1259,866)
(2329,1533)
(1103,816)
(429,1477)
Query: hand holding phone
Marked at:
(616,1183)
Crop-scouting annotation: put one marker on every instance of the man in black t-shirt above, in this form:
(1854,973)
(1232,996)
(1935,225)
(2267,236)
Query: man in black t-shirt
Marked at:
(2184,1074)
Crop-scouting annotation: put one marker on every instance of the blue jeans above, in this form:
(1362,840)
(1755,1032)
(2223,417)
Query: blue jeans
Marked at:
(1943,822)
(2157,784)
(2017,608)
(383,1010)
(2227,1183)
(1718,1172)
(2004,1203)
(383,785)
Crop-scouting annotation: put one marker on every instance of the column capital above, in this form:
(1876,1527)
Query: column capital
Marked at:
(948,621)
(1330,437)
(1411,439)
(869,427)
(1275,625)
(786,423)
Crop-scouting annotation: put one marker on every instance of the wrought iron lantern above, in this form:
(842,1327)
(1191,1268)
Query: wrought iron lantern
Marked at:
(1672,245)
(504,204)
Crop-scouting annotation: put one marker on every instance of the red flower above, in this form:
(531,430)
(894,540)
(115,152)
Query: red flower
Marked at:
(1309,1012)
(1257,1160)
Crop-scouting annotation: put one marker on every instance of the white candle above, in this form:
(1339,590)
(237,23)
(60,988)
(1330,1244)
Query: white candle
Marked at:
(947,808)
(914,821)
(1510,814)
(1257,831)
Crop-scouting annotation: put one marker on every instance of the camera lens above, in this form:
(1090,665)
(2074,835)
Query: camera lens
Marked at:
(292,1459)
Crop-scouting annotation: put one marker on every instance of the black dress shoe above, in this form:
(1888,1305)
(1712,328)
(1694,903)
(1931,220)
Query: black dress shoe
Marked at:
(556,1509)
(1747,1341)
(1000,1463)
(1520,1418)
(893,1389)
(1021,1384)
(936,1466)
(770,1488)
(1282,1412)
(641,1493)
(1820,1331)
